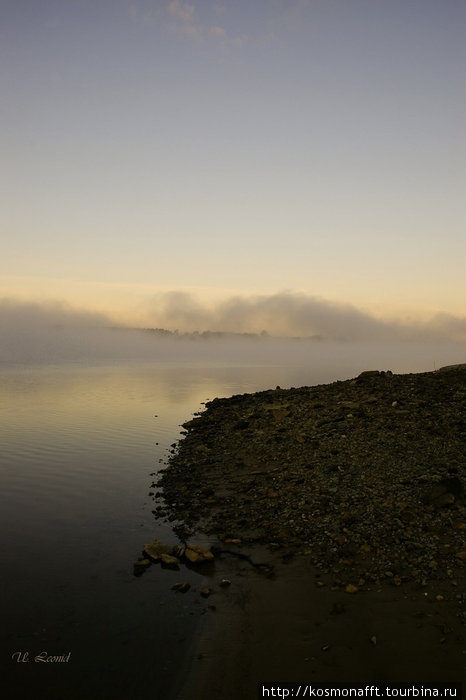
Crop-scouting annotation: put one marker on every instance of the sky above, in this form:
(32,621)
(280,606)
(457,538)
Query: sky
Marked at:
(213,156)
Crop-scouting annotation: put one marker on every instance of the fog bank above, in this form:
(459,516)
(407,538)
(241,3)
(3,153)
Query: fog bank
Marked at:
(291,314)
(55,334)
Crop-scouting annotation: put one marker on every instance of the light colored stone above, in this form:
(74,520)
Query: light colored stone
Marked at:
(169,561)
(197,555)
(142,564)
(181,587)
(155,549)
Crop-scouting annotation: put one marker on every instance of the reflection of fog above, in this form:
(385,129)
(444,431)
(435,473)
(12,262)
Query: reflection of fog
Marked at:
(181,368)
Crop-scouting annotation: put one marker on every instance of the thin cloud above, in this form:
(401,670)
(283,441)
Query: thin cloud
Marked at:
(217,31)
(182,11)
(218,8)
(202,26)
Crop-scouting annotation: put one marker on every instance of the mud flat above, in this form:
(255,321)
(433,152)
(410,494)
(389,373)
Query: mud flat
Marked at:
(337,512)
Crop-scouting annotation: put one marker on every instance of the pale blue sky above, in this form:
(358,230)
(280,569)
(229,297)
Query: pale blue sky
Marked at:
(316,146)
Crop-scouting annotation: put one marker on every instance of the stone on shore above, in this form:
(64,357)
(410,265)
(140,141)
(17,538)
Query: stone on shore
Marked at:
(169,561)
(155,549)
(181,587)
(197,555)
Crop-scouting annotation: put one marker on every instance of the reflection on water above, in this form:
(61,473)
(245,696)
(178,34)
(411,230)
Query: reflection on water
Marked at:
(78,446)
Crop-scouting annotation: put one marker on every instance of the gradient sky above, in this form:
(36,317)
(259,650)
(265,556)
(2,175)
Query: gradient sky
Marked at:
(242,147)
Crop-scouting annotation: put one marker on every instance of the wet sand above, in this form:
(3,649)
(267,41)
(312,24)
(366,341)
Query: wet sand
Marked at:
(289,629)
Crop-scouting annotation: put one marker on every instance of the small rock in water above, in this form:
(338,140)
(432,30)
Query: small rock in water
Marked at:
(181,587)
(178,551)
(225,582)
(169,561)
(141,566)
(155,549)
(351,589)
(143,563)
(205,592)
(197,555)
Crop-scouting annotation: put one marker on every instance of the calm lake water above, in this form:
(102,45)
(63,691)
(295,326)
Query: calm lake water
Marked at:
(78,446)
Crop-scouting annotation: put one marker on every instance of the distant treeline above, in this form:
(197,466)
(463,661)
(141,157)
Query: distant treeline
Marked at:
(207,335)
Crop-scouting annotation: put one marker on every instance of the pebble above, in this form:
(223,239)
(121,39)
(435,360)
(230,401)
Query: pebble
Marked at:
(197,555)
(169,561)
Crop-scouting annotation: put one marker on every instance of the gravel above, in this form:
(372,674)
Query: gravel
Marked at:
(365,476)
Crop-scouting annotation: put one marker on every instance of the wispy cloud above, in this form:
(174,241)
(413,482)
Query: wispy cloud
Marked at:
(217,31)
(205,25)
(182,11)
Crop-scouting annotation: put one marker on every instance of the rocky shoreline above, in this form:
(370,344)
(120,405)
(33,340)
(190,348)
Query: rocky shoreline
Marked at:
(364,477)
(336,516)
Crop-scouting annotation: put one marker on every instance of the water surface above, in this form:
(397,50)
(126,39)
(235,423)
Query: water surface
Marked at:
(79,445)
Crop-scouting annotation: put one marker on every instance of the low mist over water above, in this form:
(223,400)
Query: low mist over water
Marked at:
(54,334)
